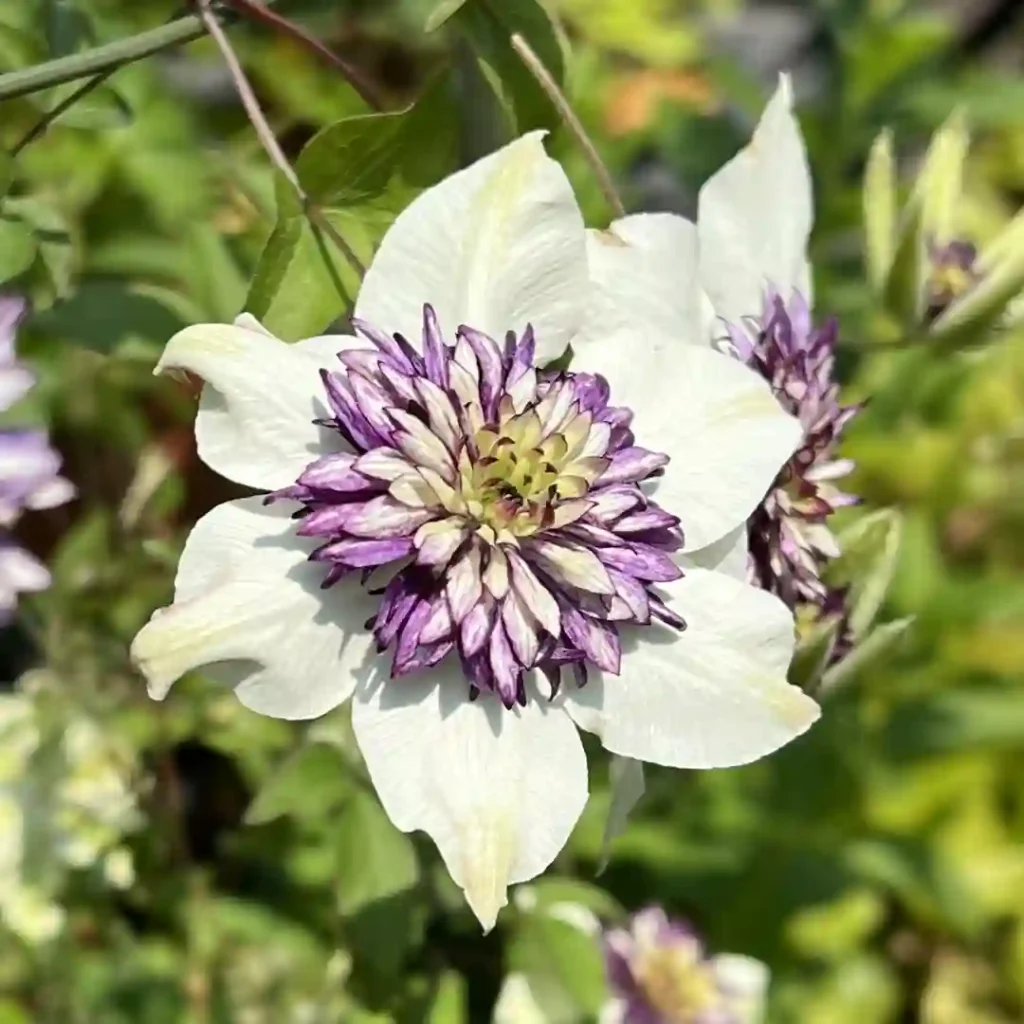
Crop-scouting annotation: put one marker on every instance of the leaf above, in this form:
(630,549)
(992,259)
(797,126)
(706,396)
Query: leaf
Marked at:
(8,166)
(488,26)
(940,183)
(308,786)
(626,777)
(870,550)
(375,860)
(880,209)
(66,27)
(904,294)
(562,963)
(103,108)
(449,1003)
(18,247)
(441,13)
(381,156)
(990,716)
(868,651)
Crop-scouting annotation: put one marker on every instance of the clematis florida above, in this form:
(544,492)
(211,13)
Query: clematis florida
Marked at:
(479,552)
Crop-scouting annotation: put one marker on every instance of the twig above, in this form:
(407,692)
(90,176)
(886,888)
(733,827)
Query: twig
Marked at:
(43,124)
(260,13)
(102,58)
(558,98)
(266,136)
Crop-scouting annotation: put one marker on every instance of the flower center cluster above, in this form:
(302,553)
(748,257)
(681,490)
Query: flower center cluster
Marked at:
(676,982)
(504,500)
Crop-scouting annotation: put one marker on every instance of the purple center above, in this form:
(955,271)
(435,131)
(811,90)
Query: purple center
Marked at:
(504,501)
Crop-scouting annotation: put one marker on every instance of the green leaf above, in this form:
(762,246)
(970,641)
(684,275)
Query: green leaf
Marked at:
(488,26)
(375,860)
(870,550)
(904,294)
(880,209)
(66,27)
(102,109)
(18,247)
(385,157)
(940,183)
(868,651)
(449,1003)
(441,13)
(309,786)
(8,166)
(562,963)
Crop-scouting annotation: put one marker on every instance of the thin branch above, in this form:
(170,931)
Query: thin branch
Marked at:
(101,59)
(266,136)
(41,127)
(261,13)
(558,98)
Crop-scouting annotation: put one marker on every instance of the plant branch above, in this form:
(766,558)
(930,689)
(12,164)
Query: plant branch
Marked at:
(41,127)
(558,98)
(266,135)
(105,58)
(259,12)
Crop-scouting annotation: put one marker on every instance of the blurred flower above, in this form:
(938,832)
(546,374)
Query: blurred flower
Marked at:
(927,274)
(659,973)
(494,511)
(28,471)
(65,803)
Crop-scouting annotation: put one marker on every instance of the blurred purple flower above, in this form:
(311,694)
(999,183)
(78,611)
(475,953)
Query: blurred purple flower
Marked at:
(29,471)
(659,973)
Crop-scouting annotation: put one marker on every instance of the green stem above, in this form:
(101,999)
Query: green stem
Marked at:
(101,59)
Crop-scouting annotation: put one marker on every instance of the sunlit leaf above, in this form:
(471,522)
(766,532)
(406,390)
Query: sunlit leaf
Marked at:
(309,785)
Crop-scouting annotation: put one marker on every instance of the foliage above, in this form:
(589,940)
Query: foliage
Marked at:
(877,865)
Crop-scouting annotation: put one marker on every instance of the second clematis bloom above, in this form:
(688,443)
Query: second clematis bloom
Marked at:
(482,553)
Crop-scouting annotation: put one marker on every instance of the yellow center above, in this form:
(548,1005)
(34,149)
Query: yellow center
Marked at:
(675,982)
(947,283)
(523,481)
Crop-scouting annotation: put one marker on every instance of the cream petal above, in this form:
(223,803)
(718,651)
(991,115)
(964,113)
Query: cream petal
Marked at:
(644,273)
(498,791)
(712,696)
(725,432)
(496,246)
(248,607)
(730,554)
(754,216)
(261,395)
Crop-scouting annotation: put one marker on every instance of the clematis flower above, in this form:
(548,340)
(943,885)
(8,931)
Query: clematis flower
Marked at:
(29,471)
(748,251)
(754,220)
(477,550)
(659,973)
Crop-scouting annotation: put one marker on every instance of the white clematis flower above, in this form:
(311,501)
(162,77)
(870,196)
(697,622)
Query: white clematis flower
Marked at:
(501,504)
(748,250)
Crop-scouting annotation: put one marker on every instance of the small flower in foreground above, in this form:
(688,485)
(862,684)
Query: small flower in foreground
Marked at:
(509,534)
(29,470)
(952,273)
(659,973)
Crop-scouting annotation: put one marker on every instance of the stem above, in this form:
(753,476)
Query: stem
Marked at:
(43,124)
(266,136)
(558,98)
(101,59)
(260,13)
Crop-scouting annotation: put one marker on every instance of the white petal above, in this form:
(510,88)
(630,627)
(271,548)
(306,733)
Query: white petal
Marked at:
(21,572)
(730,554)
(627,781)
(496,246)
(716,419)
(744,983)
(644,273)
(754,216)
(498,791)
(246,595)
(255,421)
(712,696)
